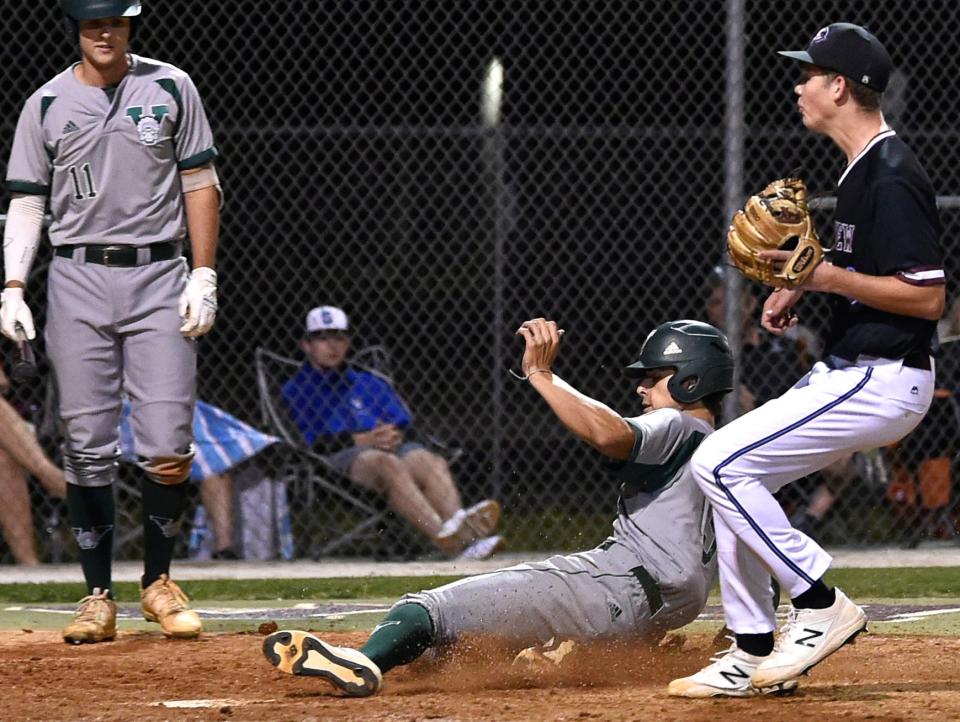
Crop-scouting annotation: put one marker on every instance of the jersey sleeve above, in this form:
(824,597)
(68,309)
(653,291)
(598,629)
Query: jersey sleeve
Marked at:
(193,138)
(657,436)
(908,233)
(30,167)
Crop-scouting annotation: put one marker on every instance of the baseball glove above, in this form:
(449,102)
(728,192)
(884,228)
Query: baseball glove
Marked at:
(777,218)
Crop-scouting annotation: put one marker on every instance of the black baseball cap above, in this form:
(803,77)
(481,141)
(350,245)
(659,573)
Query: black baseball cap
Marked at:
(850,50)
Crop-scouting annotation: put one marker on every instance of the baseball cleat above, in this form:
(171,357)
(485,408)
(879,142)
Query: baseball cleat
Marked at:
(482,518)
(95,620)
(809,637)
(483,548)
(467,526)
(302,654)
(164,602)
(728,676)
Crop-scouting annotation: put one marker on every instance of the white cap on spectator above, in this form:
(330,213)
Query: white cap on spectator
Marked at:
(327,318)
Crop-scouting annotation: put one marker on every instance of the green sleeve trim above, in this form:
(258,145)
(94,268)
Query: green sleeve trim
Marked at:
(202,158)
(34,189)
(45,103)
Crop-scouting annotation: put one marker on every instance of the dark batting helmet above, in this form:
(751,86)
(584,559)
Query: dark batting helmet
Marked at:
(697,351)
(76,10)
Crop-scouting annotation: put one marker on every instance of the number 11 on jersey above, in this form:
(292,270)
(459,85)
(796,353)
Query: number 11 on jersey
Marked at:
(86,180)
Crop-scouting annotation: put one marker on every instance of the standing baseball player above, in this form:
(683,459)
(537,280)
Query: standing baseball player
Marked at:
(120,147)
(885,276)
(651,575)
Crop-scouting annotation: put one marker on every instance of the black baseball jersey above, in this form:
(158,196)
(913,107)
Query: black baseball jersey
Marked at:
(886,224)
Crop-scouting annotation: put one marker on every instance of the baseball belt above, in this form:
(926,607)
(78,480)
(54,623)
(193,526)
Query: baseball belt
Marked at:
(121,256)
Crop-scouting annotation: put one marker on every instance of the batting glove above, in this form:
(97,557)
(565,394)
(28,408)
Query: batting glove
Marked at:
(198,302)
(13,312)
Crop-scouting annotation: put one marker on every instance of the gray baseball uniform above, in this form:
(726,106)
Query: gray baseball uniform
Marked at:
(110,161)
(651,575)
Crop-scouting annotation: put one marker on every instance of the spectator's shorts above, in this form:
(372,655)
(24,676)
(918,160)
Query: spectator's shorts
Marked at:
(343,460)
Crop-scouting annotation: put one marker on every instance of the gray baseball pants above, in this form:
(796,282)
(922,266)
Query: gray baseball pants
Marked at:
(112,330)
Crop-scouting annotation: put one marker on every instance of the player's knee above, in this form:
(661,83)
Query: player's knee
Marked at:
(389,466)
(83,469)
(167,469)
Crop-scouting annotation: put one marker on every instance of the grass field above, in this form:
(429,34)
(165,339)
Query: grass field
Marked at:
(338,604)
(903,670)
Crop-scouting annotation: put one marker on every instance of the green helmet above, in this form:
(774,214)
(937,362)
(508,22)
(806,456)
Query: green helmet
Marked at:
(698,351)
(78,10)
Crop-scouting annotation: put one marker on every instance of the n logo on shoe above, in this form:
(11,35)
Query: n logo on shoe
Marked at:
(812,634)
(733,678)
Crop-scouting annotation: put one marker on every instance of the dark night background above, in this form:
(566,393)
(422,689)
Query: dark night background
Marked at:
(355,171)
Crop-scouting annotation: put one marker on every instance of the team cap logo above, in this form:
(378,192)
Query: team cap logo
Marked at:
(821,35)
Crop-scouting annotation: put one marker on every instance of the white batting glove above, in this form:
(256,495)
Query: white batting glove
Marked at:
(14,311)
(198,302)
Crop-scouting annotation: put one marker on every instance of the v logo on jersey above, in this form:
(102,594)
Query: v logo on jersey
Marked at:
(812,634)
(733,678)
(148,126)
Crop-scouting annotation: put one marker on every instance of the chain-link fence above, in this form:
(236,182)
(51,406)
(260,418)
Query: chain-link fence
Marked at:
(443,171)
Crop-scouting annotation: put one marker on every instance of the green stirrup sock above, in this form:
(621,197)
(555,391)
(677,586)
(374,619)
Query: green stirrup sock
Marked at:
(403,635)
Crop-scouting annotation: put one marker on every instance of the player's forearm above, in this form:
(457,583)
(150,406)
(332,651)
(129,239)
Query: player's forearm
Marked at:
(21,237)
(586,418)
(203,224)
(885,293)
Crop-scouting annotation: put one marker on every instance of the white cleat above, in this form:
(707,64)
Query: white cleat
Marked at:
(303,654)
(728,676)
(483,548)
(809,637)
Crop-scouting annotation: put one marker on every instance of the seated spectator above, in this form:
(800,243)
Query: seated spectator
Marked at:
(20,454)
(364,428)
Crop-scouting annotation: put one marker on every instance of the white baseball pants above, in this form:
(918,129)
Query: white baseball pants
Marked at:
(828,414)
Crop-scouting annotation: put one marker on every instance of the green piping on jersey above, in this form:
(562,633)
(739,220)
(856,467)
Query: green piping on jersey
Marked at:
(170,86)
(647,478)
(33,189)
(45,102)
(195,161)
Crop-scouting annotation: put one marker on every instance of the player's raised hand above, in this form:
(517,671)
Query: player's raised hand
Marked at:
(13,312)
(198,302)
(542,339)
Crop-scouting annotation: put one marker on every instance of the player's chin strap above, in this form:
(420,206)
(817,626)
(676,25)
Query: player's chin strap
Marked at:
(21,235)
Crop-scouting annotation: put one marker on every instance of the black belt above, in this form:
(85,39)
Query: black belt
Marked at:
(917,360)
(651,587)
(914,360)
(123,256)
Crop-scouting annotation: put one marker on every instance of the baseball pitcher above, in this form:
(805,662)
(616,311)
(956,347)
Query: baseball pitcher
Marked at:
(651,575)
(119,147)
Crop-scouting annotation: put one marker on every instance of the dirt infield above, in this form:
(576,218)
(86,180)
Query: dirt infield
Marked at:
(223,677)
